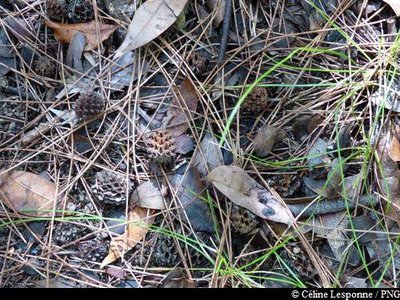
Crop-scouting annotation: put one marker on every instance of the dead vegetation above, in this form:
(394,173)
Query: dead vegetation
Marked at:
(137,151)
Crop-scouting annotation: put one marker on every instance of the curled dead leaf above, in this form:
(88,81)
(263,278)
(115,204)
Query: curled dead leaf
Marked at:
(95,32)
(140,220)
(28,193)
(244,191)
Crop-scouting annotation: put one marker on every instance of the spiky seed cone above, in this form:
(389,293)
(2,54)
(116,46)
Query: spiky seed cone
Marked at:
(89,105)
(56,9)
(80,11)
(197,63)
(44,66)
(161,146)
(242,220)
(165,253)
(111,188)
(93,250)
(256,102)
(65,233)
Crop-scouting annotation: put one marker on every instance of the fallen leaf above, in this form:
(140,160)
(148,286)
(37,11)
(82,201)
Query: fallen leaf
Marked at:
(182,107)
(394,149)
(189,189)
(395,5)
(177,279)
(388,173)
(150,20)
(28,193)
(95,32)
(148,195)
(184,144)
(75,50)
(127,69)
(209,155)
(244,191)
(140,220)
(317,155)
(20,29)
(266,138)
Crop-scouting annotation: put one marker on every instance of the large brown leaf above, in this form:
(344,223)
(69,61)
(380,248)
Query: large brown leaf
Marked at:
(182,107)
(244,191)
(95,32)
(139,220)
(28,193)
(150,20)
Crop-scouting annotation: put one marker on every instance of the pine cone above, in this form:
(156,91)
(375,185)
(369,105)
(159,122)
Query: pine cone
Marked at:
(198,63)
(165,253)
(299,262)
(93,250)
(88,105)
(65,233)
(111,188)
(56,9)
(80,11)
(44,66)
(242,220)
(256,102)
(161,145)
(198,259)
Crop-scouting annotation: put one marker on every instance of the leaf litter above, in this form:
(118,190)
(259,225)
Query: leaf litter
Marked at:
(303,180)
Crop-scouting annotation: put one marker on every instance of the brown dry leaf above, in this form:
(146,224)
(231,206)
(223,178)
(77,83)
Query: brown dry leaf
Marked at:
(139,220)
(394,149)
(244,191)
(177,279)
(28,193)
(266,138)
(95,32)
(395,5)
(150,20)
(182,107)
(388,173)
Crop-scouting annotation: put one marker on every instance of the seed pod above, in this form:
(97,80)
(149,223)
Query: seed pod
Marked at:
(111,188)
(243,220)
(161,146)
(89,105)
(56,9)
(256,102)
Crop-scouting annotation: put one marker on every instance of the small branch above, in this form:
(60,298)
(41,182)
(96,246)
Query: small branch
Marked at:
(225,31)
(330,206)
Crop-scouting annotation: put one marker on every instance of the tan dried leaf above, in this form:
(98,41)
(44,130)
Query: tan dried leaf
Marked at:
(148,195)
(28,193)
(139,220)
(244,191)
(150,20)
(95,32)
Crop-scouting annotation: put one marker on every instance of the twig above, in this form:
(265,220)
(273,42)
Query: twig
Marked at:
(330,206)
(225,31)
